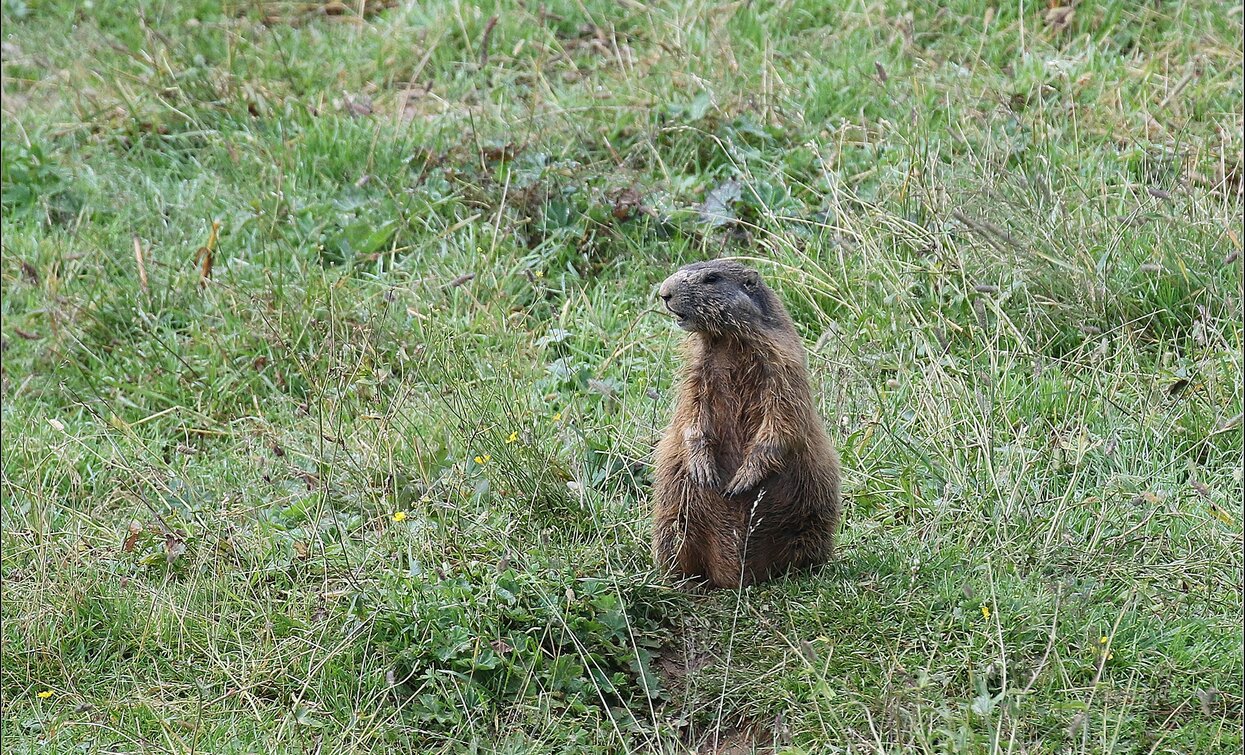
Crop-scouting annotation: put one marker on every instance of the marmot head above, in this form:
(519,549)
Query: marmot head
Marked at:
(721,298)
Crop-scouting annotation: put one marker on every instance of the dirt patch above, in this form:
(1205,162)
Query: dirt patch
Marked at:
(678,664)
(747,739)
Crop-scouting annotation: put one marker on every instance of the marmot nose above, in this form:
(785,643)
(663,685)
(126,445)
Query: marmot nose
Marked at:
(666,291)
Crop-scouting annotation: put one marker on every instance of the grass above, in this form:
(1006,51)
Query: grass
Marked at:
(365,468)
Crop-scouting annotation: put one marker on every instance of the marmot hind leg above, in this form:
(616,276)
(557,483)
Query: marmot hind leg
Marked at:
(723,565)
(668,537)
(799,554)
(688,546)
(676,547)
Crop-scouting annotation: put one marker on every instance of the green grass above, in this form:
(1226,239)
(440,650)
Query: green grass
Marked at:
(1013,249)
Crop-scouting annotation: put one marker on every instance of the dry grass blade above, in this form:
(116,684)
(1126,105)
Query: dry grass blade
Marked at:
(142,266)
(296,13)
(484,42)
(205,257)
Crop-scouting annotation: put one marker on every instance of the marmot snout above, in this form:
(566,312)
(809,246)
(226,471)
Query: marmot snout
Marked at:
(746,480)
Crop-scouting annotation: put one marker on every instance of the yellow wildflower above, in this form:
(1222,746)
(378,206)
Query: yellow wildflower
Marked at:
(45,694)
(512,437)
(985,611)
(557,416)
(482,460)
(399,516)
(539,273)
(1107,654)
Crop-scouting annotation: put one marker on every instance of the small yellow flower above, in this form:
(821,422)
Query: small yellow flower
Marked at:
(1107,654)
(425,499)
(512,437)
(557,416)
(482,460)
(45,694)
(399,516)
(539,273)
(985,611)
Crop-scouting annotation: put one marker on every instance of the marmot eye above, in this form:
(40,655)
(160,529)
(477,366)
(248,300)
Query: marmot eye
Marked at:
(712,278)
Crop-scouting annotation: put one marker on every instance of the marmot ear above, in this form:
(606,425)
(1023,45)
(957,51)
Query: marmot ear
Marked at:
(752,279)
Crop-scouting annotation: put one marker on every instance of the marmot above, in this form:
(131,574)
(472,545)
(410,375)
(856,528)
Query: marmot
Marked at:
(746,479)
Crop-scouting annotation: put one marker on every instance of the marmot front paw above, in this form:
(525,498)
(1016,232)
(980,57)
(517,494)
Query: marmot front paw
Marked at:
(744,480)
(704,473)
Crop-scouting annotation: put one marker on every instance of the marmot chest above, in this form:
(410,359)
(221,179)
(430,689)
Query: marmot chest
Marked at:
(733,392)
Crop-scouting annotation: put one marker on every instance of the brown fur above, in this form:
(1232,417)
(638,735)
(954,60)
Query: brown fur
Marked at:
(747,481)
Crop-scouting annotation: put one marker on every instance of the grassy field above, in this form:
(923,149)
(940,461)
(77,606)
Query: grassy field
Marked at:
(331,373)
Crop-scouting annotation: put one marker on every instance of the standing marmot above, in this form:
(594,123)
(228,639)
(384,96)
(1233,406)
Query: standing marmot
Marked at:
(747,482)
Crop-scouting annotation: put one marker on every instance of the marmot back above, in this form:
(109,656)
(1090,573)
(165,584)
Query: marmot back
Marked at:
(746,481)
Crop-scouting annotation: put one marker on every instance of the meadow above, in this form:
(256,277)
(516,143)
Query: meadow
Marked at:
(332,369)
